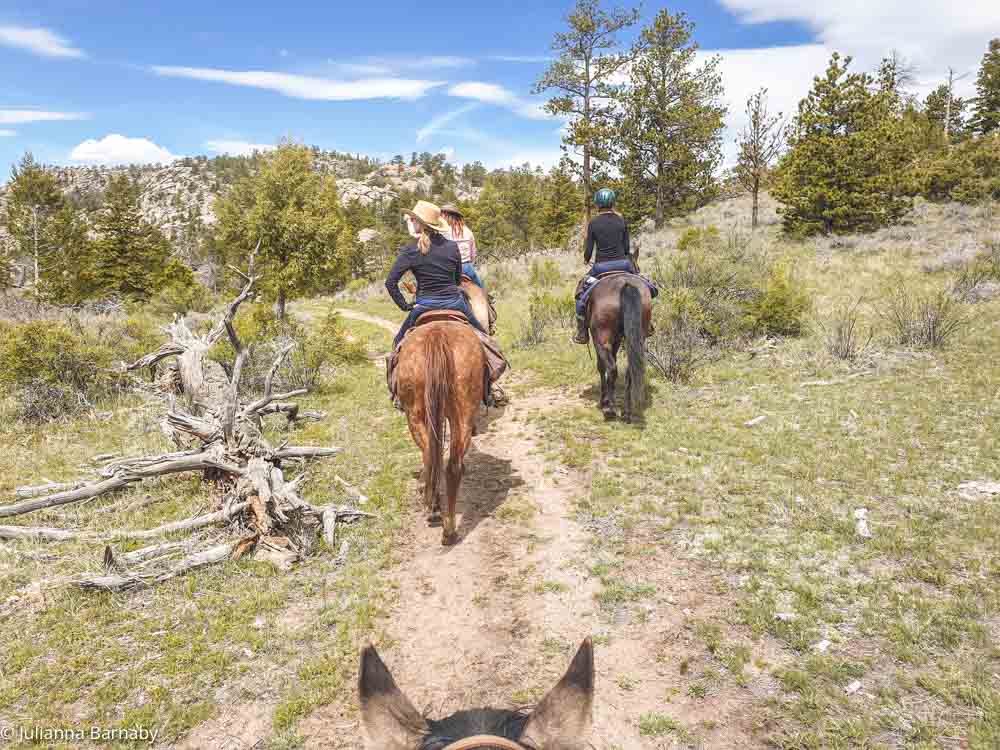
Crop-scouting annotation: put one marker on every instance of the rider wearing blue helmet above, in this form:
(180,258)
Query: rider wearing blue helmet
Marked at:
(608,243)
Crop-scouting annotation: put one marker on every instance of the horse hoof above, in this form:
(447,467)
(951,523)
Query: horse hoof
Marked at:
(609,414)
(434,519)
(447,540)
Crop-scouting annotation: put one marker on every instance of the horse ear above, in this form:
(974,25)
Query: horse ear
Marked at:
(390,720)
(563,717)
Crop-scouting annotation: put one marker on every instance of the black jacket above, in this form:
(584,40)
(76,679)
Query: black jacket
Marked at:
(608,234)
(438,273)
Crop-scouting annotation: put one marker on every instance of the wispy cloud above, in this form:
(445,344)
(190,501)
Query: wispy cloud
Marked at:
(381,65)
(491,93)
(237,148)
(443,119)
(502,153)
(7,133)
(38,41)
(521,58)
(307,87)
(22,116)
(118,149)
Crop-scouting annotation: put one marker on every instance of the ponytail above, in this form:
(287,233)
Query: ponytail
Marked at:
(424,242)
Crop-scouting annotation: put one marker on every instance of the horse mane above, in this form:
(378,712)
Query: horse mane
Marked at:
(509,725)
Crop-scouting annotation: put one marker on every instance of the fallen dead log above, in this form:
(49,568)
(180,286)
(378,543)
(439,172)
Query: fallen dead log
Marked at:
(46,489)
(124,582)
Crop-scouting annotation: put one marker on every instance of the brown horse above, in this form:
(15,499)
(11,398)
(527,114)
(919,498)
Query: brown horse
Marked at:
(620,308)
(560,722)
(440,379)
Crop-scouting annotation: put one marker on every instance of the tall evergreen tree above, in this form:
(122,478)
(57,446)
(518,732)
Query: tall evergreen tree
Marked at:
(583,75)
(70,272)
(671,118)
(560,213)
(129,251)
(760,142)
(946,112)
(293,212)
(34,197)
(849,153)
(986,109)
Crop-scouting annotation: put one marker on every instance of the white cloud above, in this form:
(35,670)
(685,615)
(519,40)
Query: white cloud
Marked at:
(491,93)
(786,72)
(117,149)
(21,116)
(39,41)
(237,148)
(498,153)
(435,125)
(931,34)
(7,133)
(388,66)
(307,87)
(521,58)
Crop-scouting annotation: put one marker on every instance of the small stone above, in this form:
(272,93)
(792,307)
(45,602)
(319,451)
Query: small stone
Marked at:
(686,612)
(861,525)
(821,647)
(259,622)
(853,687)
(247,653)
(785,616)
(755,421)
(671,600)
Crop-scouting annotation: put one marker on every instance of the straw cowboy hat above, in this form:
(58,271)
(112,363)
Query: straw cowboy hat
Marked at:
(429,215)
(451,208)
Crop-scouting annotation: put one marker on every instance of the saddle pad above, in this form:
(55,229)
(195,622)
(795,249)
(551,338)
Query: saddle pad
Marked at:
(438,316)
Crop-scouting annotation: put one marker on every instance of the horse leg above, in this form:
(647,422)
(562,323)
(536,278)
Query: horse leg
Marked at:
(415,420)
(606,366)
(461,438)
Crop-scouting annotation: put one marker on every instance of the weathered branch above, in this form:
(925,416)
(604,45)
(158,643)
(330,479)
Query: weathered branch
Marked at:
(122,582)
(171,349)
(46,489)
(350,488)
(306,451)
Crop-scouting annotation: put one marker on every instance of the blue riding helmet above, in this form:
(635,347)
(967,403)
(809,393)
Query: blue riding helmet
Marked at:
(605,198)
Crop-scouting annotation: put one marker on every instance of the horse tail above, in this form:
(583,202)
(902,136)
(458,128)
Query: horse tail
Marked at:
(439,375)
(635,381)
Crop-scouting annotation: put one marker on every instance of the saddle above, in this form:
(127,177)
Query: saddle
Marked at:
(441,316)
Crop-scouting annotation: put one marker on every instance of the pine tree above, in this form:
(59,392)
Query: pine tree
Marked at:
(986,110)
(669,140)
(760,143)
(944,115)
(294,213)
(849,153)
(129,251)
(583,74)
(70,272)
(34,197)
(560,214)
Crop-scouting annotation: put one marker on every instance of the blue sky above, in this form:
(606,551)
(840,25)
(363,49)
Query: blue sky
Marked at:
(95,81)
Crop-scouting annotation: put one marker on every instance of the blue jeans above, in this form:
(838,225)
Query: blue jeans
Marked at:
(596,270)
(423,304)
(470,270)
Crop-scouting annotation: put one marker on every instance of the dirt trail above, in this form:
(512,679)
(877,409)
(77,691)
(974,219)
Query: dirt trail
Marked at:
(494,620)
(355,315)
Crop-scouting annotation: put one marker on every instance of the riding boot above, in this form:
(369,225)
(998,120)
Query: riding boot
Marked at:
(582,333)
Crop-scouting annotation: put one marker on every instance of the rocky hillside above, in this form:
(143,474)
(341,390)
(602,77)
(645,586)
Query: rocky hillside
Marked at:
(179,197)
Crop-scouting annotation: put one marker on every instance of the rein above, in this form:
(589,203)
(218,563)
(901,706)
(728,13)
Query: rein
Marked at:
(484,742)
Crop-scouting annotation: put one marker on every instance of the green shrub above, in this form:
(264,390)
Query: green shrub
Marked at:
(677,348)
(546,311)
(545,274)
(782,307)
(922,320)
(177,291)
(968,172)
(698,238)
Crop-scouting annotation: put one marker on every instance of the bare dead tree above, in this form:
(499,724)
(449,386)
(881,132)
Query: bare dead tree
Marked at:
(760,143)
(218,432)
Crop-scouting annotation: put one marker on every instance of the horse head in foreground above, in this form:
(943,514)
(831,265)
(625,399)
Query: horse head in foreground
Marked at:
(560,722)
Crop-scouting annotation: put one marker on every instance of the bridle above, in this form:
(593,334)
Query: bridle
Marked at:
(484,742)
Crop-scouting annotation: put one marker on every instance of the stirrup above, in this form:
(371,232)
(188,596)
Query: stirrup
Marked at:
(497,396)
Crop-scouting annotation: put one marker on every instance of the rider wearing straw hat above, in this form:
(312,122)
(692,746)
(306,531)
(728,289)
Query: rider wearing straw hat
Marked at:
(435,262)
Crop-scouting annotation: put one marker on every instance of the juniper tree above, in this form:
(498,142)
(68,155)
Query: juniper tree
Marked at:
(70,271)
(293,212)
(669,137)
(986,109)
(760,142)
(584,78)
(560,213)
(848,156)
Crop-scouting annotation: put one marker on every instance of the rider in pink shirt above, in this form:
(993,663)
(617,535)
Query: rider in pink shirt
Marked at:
(465,239)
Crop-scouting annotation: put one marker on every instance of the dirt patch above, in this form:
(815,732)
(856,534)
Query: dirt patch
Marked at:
(239,726)
(494,620)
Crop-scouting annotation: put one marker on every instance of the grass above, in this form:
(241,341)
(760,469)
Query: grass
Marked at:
(160,657)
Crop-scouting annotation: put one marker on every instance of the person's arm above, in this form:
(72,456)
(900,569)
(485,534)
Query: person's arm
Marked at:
(457,261)
(628,250)
(589,244)
(401,266)
(473,250)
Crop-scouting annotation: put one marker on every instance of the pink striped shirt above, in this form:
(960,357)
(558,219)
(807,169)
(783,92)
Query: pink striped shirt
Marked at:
(466,244)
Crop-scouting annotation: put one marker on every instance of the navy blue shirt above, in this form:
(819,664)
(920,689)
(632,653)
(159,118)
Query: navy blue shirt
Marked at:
(438,273)
(608,234)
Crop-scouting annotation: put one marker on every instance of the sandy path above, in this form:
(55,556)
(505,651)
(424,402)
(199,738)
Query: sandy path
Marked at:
(355,315)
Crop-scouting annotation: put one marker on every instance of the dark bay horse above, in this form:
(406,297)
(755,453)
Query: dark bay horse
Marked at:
(620,308)
(560,722)
(440,380)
